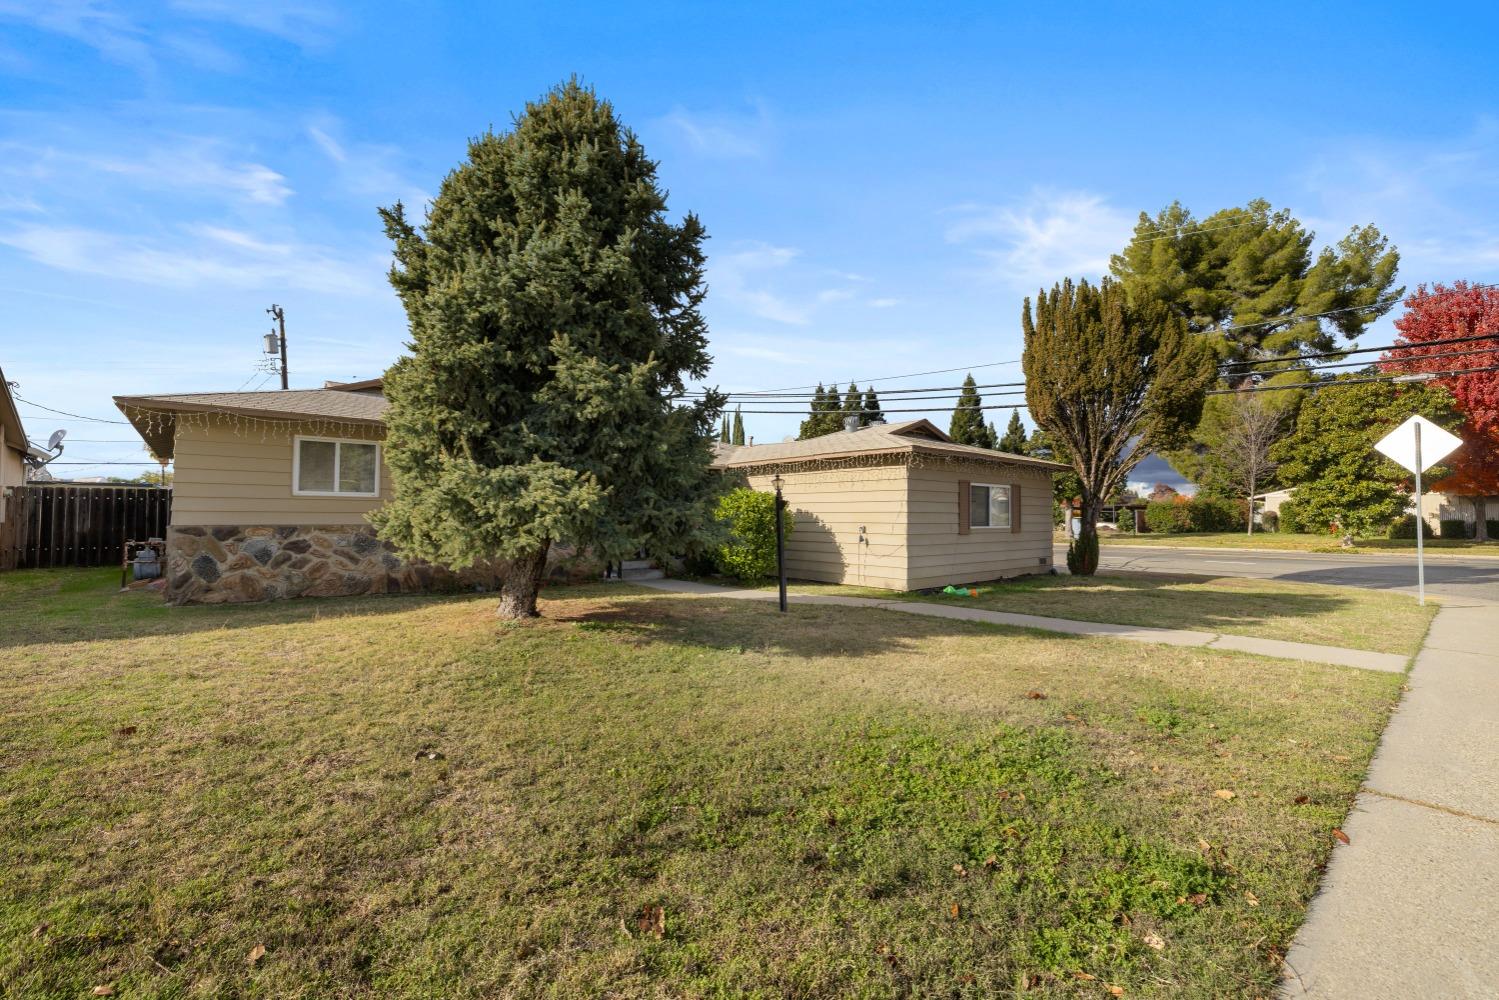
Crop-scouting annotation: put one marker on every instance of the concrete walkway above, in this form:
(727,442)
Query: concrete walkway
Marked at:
(1410,906)
(1363,659)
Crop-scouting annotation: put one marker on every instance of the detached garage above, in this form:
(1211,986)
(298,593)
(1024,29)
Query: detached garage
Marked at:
(902,506)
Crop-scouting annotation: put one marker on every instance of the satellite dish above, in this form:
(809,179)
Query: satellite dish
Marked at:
(55,441)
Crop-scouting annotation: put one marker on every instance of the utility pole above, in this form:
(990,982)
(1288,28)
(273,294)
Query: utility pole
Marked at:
(278,318)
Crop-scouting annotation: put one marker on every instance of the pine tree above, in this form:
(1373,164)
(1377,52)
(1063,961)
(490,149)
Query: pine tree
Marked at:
(872,413)
(1015,440)
(738,436)
(1110,380)
(852,406)
(554,315)
(968,424)
(816,416)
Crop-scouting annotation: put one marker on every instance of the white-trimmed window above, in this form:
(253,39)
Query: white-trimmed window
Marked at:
(988,506)
(331,467)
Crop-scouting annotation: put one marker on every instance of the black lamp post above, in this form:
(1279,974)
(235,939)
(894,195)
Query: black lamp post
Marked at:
(780,538)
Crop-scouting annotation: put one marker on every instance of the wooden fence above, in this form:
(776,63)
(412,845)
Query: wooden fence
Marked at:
(48,525)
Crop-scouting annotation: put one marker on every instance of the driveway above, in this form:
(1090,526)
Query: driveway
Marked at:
(1449,575)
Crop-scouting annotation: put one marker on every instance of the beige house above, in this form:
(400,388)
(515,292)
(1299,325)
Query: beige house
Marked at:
(270,492)
(14,448)
(901,506)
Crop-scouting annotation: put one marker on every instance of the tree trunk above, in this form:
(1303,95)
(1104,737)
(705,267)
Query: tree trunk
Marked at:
(1251,505)
(1481,512)
(1085,546)
(520,579)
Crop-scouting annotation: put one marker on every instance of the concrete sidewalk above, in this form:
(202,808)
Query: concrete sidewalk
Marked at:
(1410,906)
(1363,659)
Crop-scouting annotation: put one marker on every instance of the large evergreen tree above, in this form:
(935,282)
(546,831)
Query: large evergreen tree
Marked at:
(852,406)
(1341,480)
(1109,380)
(1246,278)
(872,413)
(738,434)
(1015,441)
(723,431)
(968,425)
(816,415)
(554,311)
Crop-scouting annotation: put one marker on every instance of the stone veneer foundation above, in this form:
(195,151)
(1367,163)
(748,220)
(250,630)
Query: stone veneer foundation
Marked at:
(222,564)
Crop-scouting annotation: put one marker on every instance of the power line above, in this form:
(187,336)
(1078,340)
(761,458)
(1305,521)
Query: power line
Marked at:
(1402,377)
(65,413)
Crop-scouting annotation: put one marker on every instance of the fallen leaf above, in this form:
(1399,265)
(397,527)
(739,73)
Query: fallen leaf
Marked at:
(1035,696)
(991,861)
(256,954)
(1196,899)
(125,731)
(959,870)
(1203,845)
(40,929)
(1340,835)
(1341,758)
(1302,800)
(104,991)
(1116,991)
(1071,718)
(1224,794)
(955,911)
(1155,941)
(652,920)
(1084,977)
(430,755)
(1251,898)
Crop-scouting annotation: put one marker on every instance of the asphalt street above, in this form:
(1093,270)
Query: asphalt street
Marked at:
(1448,575)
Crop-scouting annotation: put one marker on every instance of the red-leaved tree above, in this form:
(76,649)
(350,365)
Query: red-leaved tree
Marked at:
(1442,313)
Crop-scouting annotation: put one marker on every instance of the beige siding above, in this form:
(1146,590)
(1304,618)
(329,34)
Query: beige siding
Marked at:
(830,507)
(939,555)
(12,468)
(224,476)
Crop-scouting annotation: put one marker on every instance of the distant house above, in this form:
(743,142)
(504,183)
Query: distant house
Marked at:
(902,506)
(15,450)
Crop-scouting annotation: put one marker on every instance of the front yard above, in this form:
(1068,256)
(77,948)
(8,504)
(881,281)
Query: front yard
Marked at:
(648,795)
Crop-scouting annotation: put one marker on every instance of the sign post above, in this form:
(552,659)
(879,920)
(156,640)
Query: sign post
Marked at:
(1418,444)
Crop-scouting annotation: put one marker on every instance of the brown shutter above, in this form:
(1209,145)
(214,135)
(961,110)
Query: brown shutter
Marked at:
(1014,508)
(962,506)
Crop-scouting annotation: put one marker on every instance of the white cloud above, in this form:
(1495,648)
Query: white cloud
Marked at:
(93,22)
(197,256)
(731,275)
(298,21)
(884,303)
(181,166)
(721,136)
(368,170)
(1043,237)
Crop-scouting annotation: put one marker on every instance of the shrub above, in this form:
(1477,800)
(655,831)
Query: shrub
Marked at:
(1168,516)
(750,552)
(1454,527)
(1405,527)
(1082,556)
(1194,514)
(1270,521)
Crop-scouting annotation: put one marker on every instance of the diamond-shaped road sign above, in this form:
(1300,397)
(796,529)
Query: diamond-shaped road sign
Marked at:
(1400,444)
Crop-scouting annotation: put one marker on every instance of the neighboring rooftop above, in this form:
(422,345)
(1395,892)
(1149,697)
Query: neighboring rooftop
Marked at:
(351,403)
(910,436)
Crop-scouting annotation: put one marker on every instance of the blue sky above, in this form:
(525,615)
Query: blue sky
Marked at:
(882,184)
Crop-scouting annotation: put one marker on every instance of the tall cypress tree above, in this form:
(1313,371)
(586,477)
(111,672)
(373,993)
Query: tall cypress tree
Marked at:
(723,431)
(872,412)
(816,415)
(852,406)
(1015,440)
(968,425)
(554,314)
(738,437)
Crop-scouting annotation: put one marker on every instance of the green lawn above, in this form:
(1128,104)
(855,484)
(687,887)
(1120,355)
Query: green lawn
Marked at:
(647,795)
(1291,542)
(1351,617)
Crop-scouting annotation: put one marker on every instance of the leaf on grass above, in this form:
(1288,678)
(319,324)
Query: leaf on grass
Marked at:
(1035,696)
(1340,835)
(1155,941)
(955,911)
(1196,899)
(959,870)
(40,929)
(1203,845)
(125,731)
(1085,977)
(652,920)
(991,861)
(1302,800)
(1224,794)
(1251,898)
(256,954)
(1116,991)
(1341,758)
(104,991)
(1071,718)
(430,755)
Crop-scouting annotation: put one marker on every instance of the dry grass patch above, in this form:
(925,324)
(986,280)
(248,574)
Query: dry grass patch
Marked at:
(648,795)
